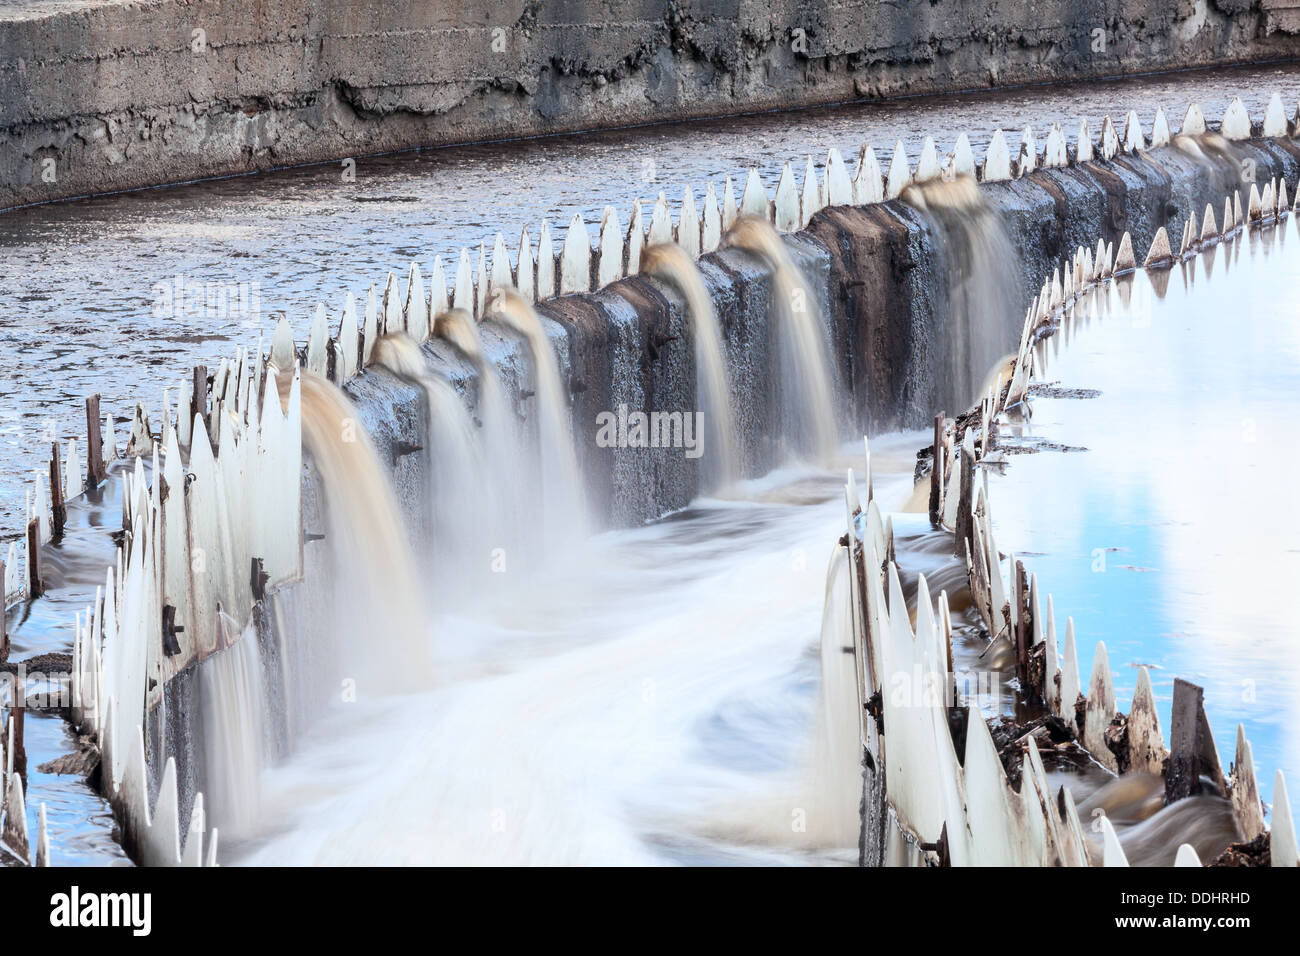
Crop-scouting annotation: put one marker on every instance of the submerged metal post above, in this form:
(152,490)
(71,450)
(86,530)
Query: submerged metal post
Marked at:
(965,540)
(58,508)
(95,470)
(936,468)
(199,395)
(1021,635)
(34,586)
(1192,754)
(16,712)
(1182,776)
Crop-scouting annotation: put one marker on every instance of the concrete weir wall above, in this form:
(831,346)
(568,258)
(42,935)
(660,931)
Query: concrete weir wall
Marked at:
(101,95)
(883,275)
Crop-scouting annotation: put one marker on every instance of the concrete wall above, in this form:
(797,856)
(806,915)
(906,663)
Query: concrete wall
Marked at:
(98,96)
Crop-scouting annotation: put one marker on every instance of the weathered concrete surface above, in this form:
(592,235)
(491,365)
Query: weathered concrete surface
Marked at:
(97,95)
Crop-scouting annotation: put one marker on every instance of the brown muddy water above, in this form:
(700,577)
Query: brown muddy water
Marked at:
(80,303)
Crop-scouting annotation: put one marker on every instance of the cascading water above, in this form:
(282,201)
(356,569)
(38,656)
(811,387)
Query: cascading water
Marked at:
(671,263)
(982,317)
(363,635)
(502,444)
(806,394)
(657,704)
(377,621)
(461,506)
(231,692)
(458,327)
(563,499)
(1151,831)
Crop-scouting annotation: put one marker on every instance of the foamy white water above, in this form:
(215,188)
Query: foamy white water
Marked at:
(233,734)
(652,703)
(461,502)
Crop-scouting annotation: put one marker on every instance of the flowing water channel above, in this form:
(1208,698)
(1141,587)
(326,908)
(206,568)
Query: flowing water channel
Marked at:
(654,700)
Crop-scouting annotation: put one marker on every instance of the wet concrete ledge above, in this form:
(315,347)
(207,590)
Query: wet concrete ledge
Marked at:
(102,95)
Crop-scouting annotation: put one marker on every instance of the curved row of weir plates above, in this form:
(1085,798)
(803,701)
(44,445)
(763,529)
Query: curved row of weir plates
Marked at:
(242,497)
(965,811)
